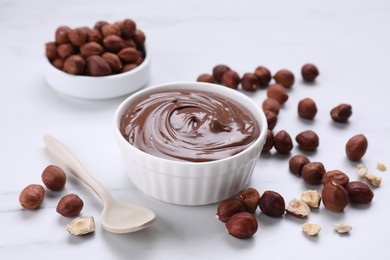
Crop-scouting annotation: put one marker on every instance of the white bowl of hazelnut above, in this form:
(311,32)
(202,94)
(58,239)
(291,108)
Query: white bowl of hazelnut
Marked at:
(190,143)
(106,61)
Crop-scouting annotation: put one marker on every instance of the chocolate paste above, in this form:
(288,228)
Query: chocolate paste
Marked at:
(189,125)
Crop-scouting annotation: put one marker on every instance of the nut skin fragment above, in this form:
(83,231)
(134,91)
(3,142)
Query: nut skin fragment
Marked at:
(298,208)
(81,226)
(32,196)
(54,178)
(242,225)
(359,192)
(283,143)
(311,229)
(356,147)
(297,162)
(342,228)
(373,179)
(272,204)
(227,208)
(307,108)
(341,113)
(334,197)
(311,198)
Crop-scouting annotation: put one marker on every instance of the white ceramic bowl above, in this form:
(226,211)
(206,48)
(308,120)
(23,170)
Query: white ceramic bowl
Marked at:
(191,183)
(88,87)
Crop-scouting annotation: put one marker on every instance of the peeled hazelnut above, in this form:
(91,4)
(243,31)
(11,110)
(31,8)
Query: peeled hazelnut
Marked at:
(297,162)
(334,197)
(282,142)
(218,71)
(250,197)
(61,34)
(75,65)
(51,51)
(356,147)
(113,43)
(264,75)
(359,192)
(128,55)
(269,142)
(78,36)
(70,205)
(65,50)
(271,105)
(307,140)
(298,208)
(230,79)
(311,229)
(307,108)
(341,113)
(206,78)
(128,28)
(285,78)
(54,178)
(114,61)
(249,82)
(228,208)
(97,66)
(335,176)
(342,228)
(272,119)
(311,198)
(373,179)
(81,226)
(32,196)
(111,29)
(309,72)
(139,38)
(128,67)
(277,92)
(91,48)
(313,172)
(94,35)
(272,204)
(242,225)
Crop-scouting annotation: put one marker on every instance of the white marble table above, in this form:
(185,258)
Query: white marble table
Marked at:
(348,40)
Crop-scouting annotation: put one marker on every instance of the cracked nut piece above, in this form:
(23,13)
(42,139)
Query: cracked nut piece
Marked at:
(32,196)
(250,197)
(70,205)
(297,162)
(311,198)
(335,176)
(381,167)
(54,178)
(359,192)
(361,170)
(313,172)
(81,226)
(356,147)
(373,179)
(227,208)
(242,225)
(298,208)
(272,204)
(334,196)
(342,228)
(311,229)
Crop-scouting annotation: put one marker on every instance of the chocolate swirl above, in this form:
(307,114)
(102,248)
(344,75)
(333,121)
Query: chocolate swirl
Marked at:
(186,125)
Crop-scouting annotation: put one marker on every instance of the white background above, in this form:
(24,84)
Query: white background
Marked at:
(349,42)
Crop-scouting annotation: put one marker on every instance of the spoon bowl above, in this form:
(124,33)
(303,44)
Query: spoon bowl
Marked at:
(117,217)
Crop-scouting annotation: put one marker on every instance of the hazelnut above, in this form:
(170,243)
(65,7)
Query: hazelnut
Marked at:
(228,208)
(230,79)
(70,205)
(78,36)
(341,113)
(61,34)
(277,92)
(264,75)
(298,208)
(334,197)
(51,51)
(335,176)
(58,63)
(113,43)
(91,48)
(218,71)
(130,43)
(359,192)
(285,78)
(206,78)
(81,226)
(250,197)
(356,147)
(94,35)
(271,105)
(65,50)
(269,142)
(272,119)
(309,72)
(342,228)
(139,38)
(75,65)
(272,204)
(128,28)
(242,225)
(114,61)
(282,142)
(307,140)
(307,108)
(99,24)
(311,229)
(32,196)
(297,162)
(249,82)
(97,66)
(311,198)
(373,179)
(54,178)
(129,67)
(111,29)
(128,55)
(313,172)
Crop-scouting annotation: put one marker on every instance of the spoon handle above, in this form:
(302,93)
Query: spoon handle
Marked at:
(67,159)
